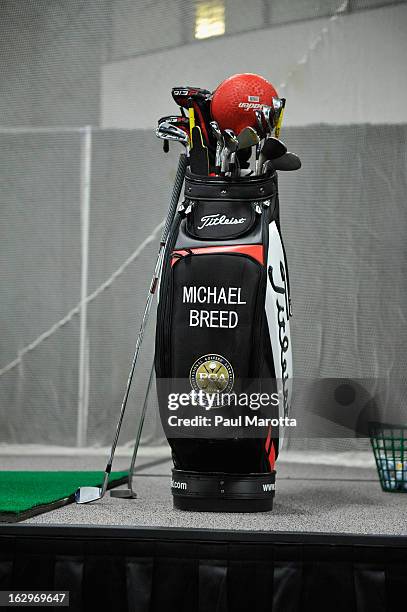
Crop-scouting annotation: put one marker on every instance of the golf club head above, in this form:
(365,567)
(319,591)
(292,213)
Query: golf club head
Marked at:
(200,99)
(278,105)
(248,137)
(259,119)
(181,95)
(123,494)
(168,131)
(217,132)
(220,143)
(177,120)
(268,114)
(231,146)
(287,162)
(231,140)
(86,495)
(273,148)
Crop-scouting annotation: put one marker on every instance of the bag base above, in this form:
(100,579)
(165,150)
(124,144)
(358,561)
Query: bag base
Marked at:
(223,492)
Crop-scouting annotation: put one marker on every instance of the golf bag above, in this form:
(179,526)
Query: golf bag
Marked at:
(223,329)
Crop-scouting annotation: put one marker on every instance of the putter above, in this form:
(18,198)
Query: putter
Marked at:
(129,493)
(85,495)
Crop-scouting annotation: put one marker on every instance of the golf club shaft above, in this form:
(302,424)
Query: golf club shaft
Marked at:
(140,427)
(179,180)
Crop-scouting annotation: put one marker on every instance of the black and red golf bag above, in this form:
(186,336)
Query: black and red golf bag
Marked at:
(223,330)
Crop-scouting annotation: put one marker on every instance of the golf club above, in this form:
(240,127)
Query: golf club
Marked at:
(248,137)
(234,146)
(260,130)
(183,96)
(279,106)
(229,152)
(272,148)
(287,162)
(267,110)
(84,495)
(129,493)
(198,158)
(259,120)
(179,121)
(169,131)
(220,143)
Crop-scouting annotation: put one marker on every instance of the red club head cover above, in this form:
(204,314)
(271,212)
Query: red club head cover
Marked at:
(235,99)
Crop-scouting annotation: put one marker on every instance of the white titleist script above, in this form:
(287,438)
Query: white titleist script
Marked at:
(219,219)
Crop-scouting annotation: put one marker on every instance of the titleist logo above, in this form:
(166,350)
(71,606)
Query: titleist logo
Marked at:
(219,219)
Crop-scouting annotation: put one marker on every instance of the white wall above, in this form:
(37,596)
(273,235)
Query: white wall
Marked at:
(356,74)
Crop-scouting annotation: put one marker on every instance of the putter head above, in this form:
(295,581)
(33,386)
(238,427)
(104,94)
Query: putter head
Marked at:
(86,495)
(123,493)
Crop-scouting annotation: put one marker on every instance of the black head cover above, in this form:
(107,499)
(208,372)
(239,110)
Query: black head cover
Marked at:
(198,155)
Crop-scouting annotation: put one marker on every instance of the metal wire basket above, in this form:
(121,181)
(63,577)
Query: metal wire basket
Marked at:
(389,443)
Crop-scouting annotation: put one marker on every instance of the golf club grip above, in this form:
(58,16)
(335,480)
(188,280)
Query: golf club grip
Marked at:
(179,181)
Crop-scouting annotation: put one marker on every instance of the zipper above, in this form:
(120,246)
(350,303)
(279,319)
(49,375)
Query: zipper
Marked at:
(190,205)
(257,351)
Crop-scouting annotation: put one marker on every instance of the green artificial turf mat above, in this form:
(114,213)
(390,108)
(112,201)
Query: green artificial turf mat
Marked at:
(24,494)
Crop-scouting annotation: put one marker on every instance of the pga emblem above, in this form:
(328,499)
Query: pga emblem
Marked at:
(212,374)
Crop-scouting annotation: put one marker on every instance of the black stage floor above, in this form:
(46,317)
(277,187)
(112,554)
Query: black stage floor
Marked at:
(155,569)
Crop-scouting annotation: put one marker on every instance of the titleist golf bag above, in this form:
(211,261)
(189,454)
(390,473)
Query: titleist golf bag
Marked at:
(223,330)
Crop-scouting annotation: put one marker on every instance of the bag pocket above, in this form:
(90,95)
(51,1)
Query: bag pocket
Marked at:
(220,220)
(214,303)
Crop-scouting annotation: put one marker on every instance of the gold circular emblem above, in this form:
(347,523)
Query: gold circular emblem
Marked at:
(212,374)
